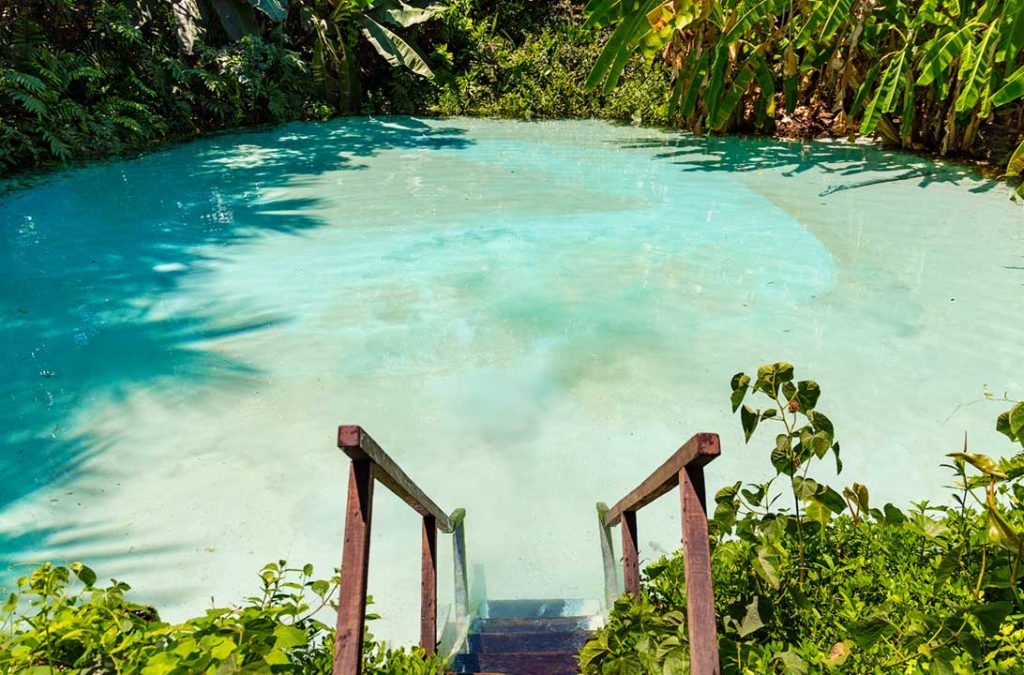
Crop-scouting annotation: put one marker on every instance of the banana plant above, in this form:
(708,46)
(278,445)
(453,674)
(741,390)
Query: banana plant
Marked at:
(334,28)
(919,73)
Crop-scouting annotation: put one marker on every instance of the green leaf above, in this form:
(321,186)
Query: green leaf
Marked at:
(740,383)
(983,463)
(871,630)
(1001,533)
(749,418)
(404,15)
(893,516)
(1012,89)
(394,49)
(218,646)
(771,377)
(84,574)
(991,615)
(807,394)
(1017,419)
(287,637)
(974,71)
(764,568)
(792,664)
(949,564)
(889,88)
(782,455)
(1015,166)
(277,10)
(751,621)
(237,17)
(941,53)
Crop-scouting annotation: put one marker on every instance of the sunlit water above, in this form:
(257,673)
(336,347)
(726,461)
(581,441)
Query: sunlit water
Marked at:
(528,317)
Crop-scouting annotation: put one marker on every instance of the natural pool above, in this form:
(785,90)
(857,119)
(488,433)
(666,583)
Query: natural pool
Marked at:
(528,316)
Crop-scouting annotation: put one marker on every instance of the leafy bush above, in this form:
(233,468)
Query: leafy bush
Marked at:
(528,60)
(61,620)
(811,579)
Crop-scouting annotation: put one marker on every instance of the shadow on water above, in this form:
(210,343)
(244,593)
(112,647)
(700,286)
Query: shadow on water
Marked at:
(846,162)
(88,258)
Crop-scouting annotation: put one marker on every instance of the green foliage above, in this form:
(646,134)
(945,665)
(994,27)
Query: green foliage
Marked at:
(920,73)
(829,581)
(61,620)
(517,59)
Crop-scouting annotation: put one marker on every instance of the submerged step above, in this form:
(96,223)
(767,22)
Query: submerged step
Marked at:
(520,625)
(537,642)
(539,608)
(517,664)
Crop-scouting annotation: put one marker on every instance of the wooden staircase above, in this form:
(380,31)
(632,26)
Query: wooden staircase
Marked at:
(521,637)
(525,637)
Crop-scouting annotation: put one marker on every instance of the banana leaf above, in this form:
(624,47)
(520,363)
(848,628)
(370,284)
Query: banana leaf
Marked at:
(394,49)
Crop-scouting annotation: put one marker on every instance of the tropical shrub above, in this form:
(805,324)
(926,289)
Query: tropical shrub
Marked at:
(945,75)
(61,620)
(809,578)
(528,60)
(86,79)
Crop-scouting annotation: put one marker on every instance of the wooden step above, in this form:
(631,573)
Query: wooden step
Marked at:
(537,642)
(524,663)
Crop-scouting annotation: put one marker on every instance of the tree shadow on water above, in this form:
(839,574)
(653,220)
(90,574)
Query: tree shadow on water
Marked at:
(853,165)
(91,269)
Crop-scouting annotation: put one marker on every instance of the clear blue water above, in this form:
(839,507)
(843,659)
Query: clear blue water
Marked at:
(528,316)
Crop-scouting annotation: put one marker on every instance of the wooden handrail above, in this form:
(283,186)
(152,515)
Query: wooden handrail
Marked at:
(684,468)
(370,464)
(359,445)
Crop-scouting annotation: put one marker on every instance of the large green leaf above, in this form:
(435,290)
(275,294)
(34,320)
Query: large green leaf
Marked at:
(620,46)
(394,49)
(974,71)
(884,100)
(940,54)
(732,97)
(402,14)
(825,20)
(237,17)
(1015,167)
(1012,89)
(277,10)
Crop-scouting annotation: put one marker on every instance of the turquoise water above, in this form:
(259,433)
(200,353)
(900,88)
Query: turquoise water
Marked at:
(529,317)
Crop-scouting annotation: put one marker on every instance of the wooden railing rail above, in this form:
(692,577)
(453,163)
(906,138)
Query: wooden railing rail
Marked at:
(371,465)
(684,468)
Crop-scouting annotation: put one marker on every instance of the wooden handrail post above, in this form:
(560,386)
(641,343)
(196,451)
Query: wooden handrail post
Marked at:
(700,594)
(348,644)
(428,587)
(630,554)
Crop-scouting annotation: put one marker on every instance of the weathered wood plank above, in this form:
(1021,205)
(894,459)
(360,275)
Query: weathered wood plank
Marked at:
(630,554)
(697,451)
(700,595)
(355,563)
(428,587)
(358,444)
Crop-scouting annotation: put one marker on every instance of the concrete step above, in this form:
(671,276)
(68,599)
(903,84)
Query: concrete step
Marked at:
(550,625)
(523,663)
(536,642)
(542,608)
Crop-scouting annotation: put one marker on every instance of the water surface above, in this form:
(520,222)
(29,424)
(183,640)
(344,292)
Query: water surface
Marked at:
(528,316)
